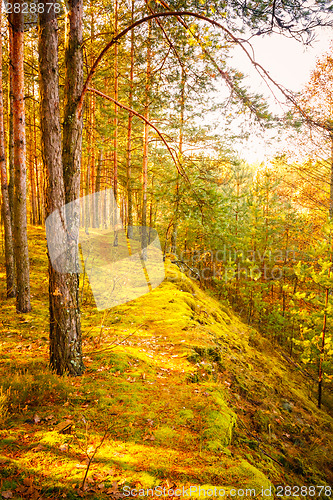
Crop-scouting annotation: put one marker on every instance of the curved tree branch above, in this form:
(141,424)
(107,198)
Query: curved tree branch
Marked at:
(262,72)
(143,20)
(180,170)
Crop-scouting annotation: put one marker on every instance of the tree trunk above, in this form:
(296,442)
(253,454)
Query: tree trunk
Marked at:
(72,130)
(20,196)
(181,134)
(129,137)
(327,290)
(87,202)
(32,156)
(7,219)
(145,148)
(115,122)
(65,331)
(71,156)
(97,214)
(10,122)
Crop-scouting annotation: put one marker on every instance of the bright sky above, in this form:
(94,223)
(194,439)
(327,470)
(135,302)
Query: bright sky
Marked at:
(289,63)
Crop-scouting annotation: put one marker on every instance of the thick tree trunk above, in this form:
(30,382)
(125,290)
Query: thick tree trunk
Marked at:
(71,154)
(65,331)
(72,130)
(9,245)
(20,197)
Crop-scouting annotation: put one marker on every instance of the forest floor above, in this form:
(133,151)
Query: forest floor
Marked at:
(178,394)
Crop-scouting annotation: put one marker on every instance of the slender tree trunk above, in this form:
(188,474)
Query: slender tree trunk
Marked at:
(115,121)
(63,178)
(30,147)
(97,213)
(129,137)
(20,196)
(35,163)
(323,334)
(87,203)
(181,135)
(146,147)
(10,122)
(7,219)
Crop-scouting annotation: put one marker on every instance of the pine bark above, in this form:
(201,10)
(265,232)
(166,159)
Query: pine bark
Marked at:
(65,330)
(72,152)
(6,212)
(20,174)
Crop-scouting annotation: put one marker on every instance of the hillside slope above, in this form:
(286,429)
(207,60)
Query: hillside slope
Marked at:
(177,392)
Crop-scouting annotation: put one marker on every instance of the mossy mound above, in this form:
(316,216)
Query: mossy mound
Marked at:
(177,392)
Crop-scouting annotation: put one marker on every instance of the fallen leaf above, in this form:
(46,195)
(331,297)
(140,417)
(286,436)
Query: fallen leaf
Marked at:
(39,447)
(64,427)
(80,466)
(114,490)
(7,494)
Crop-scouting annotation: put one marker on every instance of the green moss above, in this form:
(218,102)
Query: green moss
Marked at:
(249,477)
(185,416)
(220,426)
(165,435)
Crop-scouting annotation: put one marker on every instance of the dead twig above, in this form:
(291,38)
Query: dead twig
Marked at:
(91,458)
(113,344)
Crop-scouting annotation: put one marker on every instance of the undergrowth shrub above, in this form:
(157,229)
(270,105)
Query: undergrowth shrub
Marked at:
(24,389)
(3,405)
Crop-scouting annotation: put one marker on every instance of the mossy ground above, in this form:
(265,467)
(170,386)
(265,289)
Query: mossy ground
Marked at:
(187,394)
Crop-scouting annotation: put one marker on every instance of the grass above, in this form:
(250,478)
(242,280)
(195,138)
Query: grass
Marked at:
(176,380)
